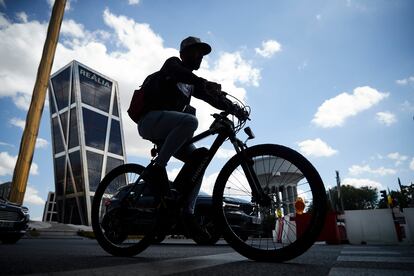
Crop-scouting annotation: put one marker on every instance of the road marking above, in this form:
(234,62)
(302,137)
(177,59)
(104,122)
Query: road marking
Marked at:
(375,259)
(158,268)
(370,252)
(346,271)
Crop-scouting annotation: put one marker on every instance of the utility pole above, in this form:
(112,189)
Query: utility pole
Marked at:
(31,129)
(338,187)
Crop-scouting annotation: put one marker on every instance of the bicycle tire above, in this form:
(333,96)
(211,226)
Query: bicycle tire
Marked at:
(284,241)
(110,226)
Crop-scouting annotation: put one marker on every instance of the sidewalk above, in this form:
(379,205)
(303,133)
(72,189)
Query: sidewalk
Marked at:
(54,230)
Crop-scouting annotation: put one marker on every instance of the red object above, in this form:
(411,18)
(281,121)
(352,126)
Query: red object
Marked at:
(330,232)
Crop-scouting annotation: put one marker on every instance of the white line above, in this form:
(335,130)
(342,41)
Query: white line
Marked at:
(346,271)
(158,268)
(375,259)
(370,252)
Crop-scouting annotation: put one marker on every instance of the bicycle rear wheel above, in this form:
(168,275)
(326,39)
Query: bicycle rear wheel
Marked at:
(125,212)
(291,223)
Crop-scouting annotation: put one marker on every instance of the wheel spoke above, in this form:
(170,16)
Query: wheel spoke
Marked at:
(286,179)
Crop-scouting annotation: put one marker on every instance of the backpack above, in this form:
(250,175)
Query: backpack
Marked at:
(137,106)
(142,100)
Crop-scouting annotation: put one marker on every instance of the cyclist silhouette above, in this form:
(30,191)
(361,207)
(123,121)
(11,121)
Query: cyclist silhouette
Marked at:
(170,121)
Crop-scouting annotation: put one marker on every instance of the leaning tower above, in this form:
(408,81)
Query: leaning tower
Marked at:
(87,137)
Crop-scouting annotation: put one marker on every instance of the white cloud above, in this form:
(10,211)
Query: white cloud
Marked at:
(335,111)
(316,147)
(67,7)
(138,52)
(22,16)
(225,153)
(397,157)
(18,122)
(133,2)
(8,162)
(208,183)
(20,50)
(412,164)
(32,196)
(362,182)
(269,48)
(358,170)
(6,144)
(41,143)
(386,118)
(406,81)
(73,29)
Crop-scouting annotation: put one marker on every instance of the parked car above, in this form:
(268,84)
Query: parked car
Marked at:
(239,214)
(13,221)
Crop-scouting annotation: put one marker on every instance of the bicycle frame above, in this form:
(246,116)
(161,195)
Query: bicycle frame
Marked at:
(225,129)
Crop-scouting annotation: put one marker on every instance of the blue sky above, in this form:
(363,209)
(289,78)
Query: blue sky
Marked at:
(331,79)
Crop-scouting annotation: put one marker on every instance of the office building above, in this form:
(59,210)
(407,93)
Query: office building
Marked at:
(87,137)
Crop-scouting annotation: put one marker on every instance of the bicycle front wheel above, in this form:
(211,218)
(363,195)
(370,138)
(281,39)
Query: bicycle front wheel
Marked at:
(290,224)
(125,212)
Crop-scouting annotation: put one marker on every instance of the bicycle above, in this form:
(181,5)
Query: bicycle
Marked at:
(267,185)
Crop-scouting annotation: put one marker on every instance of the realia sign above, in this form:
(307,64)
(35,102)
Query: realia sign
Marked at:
(93,77)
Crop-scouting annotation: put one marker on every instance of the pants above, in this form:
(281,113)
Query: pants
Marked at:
(170,130)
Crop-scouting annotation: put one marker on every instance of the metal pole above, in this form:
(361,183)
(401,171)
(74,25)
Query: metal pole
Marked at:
(338,185)
(28,142)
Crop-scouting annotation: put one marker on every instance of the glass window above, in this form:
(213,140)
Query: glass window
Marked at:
(64,121)
(73,92)
(60,175)
(75,161)
(115,108)
(115,141)
(95,90)
(61,88)
(57,137)
(69,183)
(59,209)
(95,128)
(112,163)
(51,102)
(71,212)
(73,130)
(94,169)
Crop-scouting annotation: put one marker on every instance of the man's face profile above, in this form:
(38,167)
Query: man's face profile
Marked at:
(192,57)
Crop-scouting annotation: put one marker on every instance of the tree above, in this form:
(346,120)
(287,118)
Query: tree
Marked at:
(354,198)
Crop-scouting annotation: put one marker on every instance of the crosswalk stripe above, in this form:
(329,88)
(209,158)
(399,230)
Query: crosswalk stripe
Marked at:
(160,267)
(375,259)
(349,252)
(346,271)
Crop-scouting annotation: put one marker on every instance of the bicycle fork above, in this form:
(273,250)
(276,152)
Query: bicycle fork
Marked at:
(247,163)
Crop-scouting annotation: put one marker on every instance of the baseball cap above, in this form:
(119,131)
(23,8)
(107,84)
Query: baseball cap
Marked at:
(192,41)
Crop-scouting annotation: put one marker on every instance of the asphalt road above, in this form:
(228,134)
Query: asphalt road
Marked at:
(182,257)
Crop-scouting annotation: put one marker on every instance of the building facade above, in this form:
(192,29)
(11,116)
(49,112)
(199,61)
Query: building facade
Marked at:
(5,190)
(50,212)
(87,137)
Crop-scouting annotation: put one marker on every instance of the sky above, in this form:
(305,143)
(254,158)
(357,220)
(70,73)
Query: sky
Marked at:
(333,80)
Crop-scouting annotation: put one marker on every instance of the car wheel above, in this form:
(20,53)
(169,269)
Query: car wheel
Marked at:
(158,238)
(207,224)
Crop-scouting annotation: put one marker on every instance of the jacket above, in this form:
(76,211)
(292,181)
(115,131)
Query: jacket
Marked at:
(171,89)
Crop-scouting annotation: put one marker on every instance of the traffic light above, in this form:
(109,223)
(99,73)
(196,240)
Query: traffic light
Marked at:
(384,195)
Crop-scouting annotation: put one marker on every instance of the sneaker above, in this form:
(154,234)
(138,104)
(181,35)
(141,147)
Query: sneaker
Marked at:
(193,228)
(157,176)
